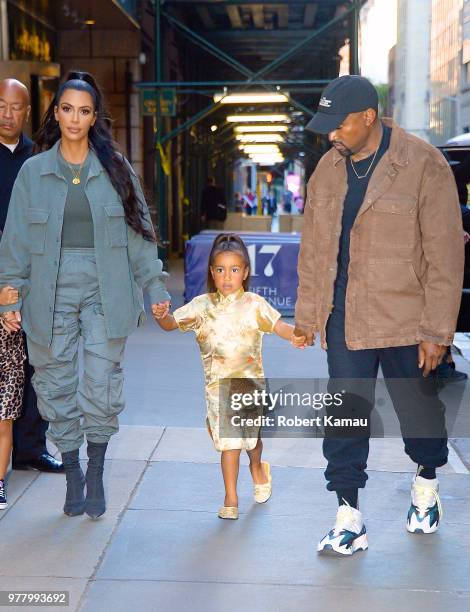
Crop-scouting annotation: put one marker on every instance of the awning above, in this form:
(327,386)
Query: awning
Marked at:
(74,14)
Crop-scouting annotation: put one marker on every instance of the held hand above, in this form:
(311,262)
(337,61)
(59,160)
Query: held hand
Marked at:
(466,237)
(430,356)
(8,295)
(11,321)
(309,336)
(160,310)
(298,341)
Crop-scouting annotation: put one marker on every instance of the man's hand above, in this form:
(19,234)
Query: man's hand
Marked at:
(309,336)
(430,356)
(11,321)
(160,310)
(298,341)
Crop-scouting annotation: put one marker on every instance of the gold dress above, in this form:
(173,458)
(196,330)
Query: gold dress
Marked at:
(229,331)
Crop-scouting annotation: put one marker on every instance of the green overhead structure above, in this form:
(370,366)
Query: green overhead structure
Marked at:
(296,43)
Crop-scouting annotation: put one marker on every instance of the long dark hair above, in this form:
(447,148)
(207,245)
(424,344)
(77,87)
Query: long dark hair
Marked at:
(228,243)
(101,140)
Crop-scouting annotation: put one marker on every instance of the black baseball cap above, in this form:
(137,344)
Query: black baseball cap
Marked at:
(344,95)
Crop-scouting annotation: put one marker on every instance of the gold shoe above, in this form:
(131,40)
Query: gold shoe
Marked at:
(262,492)
(228,512)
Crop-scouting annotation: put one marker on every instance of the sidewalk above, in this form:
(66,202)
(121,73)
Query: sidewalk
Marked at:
(160,546)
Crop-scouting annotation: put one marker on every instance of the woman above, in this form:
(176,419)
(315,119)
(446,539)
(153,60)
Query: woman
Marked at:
(79,245)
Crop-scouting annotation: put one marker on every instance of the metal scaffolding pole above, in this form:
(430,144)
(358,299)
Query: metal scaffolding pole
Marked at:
(252,76)
(160,200)
(282,59)
(217,84)
(208,46)
(354,43)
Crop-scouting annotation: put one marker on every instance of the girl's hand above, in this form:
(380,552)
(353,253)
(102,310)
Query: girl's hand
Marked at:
(8,295)
(11,321)
(160,310)
(299,341)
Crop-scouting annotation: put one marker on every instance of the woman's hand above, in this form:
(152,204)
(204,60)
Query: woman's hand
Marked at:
(8,295)
(160,310)
(11,321)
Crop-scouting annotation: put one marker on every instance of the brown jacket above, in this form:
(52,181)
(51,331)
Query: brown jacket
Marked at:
(406,249)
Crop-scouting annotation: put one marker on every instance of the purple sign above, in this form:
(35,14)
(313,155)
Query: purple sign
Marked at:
(273,258)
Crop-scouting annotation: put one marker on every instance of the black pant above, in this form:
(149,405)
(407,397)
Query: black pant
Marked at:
(29,431)
(347,456)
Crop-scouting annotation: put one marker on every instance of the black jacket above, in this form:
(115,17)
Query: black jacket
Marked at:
(213,203)
(10,164)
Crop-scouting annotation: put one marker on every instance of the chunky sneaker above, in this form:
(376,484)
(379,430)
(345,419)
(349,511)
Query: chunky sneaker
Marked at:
(425,511)
(347,536)
(3,497)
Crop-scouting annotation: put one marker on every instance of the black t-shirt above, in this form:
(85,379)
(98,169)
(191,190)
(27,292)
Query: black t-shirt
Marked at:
(352,203)
(10,164)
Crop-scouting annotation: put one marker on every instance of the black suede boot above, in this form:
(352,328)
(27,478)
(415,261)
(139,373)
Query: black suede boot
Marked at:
(95,504)
(74,498)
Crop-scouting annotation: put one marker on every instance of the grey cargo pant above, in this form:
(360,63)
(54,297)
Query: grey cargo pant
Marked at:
(90,406)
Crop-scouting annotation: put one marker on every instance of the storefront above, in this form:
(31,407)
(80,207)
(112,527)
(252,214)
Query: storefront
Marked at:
(29,52)
(43,39)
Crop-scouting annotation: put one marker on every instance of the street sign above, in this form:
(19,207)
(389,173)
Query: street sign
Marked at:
(167,102)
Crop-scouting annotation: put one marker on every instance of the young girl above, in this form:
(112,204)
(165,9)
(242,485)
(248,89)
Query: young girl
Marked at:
(229,323)
(12,356)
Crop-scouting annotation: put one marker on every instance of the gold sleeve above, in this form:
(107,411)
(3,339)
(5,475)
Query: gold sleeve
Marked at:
(188,317)
(267,316)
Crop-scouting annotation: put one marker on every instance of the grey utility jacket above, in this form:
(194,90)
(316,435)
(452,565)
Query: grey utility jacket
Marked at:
(31,242)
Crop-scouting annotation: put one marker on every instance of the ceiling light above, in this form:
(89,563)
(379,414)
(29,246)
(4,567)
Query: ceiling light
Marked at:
(257,118)
(261,148)
(264,153)
(267,161)
(254,97)
(243,129)
(259,138)
(213,128)
(90,22)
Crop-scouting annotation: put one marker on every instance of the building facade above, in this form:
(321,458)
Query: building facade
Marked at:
(465,76)
(41,41)
(411,84)
(445,119)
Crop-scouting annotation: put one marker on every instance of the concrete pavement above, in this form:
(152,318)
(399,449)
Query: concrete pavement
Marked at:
(161,547)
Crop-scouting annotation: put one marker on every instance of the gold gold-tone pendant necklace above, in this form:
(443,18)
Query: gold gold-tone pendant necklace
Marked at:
(75,174)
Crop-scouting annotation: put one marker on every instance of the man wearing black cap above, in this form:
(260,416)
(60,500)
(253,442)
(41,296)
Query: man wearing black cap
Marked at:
(376,283)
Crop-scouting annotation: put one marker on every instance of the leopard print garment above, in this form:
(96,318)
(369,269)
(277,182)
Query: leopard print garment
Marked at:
(12,356)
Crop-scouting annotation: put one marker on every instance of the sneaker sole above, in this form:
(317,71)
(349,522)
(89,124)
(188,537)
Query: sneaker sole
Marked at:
(3,506)
(421,531)
(359,544)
